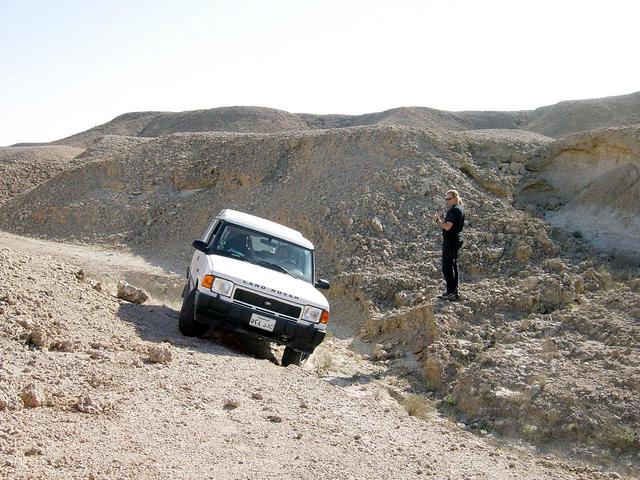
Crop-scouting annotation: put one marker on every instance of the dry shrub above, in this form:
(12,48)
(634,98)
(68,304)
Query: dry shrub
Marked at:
(433,373)
(607,282)
(417,406)
(531,432)
(469,403)
(620,437)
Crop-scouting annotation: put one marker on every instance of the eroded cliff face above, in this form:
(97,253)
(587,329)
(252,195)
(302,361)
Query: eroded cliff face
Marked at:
(588,184)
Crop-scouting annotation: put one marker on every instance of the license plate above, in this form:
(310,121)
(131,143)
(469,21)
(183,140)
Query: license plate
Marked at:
(264,323)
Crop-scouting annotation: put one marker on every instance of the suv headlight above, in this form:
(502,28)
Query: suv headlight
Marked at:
(222,286)
(315,314)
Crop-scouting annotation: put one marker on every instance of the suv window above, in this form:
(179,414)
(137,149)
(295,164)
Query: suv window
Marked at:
(211,230)
(265,250)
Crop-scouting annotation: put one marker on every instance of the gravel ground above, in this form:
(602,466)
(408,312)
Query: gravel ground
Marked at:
(95,387)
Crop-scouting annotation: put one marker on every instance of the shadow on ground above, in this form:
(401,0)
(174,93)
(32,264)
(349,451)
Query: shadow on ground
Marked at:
(159,323)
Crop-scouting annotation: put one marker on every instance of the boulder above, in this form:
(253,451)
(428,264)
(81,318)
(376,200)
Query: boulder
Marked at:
(131,294)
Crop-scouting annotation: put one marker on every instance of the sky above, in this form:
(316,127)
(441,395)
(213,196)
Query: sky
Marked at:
(69,65)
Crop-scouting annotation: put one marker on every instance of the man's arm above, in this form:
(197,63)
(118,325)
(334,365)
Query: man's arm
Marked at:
(453,217)
(444,225)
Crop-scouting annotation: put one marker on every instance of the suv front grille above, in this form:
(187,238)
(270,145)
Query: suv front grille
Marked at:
(266,303)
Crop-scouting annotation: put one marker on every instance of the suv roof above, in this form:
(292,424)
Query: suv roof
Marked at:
(266,226)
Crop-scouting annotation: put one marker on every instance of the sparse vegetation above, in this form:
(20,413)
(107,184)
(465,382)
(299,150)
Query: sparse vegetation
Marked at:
(418,406)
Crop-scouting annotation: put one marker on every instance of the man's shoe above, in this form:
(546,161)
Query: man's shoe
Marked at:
(452,297)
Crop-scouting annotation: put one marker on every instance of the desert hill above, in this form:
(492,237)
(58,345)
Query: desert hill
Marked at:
(545,345)
(553,121)
(574,116)
(267,120)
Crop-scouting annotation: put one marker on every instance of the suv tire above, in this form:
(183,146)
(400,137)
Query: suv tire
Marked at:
(187,323)
(293,357)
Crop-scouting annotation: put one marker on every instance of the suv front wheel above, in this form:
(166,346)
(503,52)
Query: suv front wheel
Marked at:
(187,323)
(294,357)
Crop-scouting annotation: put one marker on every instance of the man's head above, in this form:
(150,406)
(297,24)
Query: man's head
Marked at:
(452,197)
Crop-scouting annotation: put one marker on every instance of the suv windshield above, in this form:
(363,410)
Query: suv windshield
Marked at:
(266,251)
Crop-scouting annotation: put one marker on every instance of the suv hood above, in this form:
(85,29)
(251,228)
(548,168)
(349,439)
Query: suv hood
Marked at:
(267,281)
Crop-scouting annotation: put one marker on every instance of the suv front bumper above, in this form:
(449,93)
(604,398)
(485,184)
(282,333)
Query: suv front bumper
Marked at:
(212,310)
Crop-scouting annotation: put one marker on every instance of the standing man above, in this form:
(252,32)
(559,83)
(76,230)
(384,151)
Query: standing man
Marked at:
(451,225)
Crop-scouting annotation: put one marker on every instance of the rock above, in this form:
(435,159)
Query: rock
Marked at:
(38,337)
(231,404)
(379,353)
(401,299)
(516,167)
(32,396)
(80,275)
(33,450)
(376,224)
(131,294)
(89,405)
(160,354)
(64,345)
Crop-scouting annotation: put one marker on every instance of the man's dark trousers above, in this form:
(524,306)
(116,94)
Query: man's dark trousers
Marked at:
(450,265)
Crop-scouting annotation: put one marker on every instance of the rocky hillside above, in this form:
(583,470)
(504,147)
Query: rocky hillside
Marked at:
(22,168)
(551,306)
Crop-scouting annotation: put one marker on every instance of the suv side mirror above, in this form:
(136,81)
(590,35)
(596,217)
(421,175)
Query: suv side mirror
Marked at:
(323,284)
(199,245)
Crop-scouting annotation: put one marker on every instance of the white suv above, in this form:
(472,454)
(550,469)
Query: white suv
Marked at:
(255,276)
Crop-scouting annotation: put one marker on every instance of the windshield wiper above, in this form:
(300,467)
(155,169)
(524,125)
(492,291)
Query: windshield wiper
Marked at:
(226,253)
(275,266)
(239,256)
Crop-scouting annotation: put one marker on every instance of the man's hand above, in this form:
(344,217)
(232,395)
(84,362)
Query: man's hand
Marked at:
(438,218)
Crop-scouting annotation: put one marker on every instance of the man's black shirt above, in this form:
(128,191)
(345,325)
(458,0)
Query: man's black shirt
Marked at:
(455,215)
